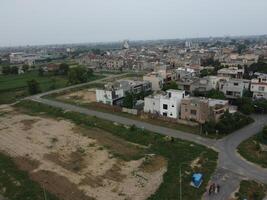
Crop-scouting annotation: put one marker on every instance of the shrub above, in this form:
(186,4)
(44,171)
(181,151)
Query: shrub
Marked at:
(228,123)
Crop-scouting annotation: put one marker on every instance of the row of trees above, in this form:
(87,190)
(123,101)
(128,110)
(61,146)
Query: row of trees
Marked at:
(6,70)
(75,76)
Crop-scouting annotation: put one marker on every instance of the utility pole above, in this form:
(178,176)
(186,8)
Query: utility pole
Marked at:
(44,194)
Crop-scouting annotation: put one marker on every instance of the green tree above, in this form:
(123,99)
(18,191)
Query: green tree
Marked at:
(25,68)
(14,70)
(78,75)
(129,100)
(216,94)
(63,69)
(41,71)
(264,133)
(33,87)
(245,105)
(6,70)
(171,85)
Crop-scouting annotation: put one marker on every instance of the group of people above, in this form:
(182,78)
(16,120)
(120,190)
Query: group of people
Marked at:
(214,189)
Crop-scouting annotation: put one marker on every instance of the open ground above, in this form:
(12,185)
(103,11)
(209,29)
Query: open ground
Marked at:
(77,163)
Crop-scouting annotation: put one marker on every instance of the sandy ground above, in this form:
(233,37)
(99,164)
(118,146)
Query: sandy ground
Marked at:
(74,166)
(81,96)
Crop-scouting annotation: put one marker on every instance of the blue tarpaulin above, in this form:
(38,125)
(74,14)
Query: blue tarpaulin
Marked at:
(197,179)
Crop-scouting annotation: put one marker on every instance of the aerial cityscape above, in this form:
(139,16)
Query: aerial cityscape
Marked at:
(124,100)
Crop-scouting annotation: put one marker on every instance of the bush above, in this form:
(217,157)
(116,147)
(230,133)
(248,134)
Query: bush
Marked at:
(227,124)
(264,133)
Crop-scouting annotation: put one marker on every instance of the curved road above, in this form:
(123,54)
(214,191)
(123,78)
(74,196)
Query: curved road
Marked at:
(231,167)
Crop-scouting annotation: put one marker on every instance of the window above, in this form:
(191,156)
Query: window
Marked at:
(235,84)
(193,112)
(261,88)
(165,106)
(172,105)
(164,114)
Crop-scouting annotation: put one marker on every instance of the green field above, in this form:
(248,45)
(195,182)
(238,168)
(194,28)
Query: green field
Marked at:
(251,190)
(251,151)
(14,87)
(176,151)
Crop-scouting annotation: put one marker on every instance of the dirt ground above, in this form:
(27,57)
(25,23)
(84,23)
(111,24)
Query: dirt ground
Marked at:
(81,96)
(75,163)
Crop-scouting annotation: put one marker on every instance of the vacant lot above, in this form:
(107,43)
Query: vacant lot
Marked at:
(81,96)
(74,162)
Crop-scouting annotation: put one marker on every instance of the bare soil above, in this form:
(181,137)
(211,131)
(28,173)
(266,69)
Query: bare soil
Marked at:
(77,163)
(81,96)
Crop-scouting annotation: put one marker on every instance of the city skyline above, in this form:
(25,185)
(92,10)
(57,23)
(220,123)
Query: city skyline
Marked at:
(66,22)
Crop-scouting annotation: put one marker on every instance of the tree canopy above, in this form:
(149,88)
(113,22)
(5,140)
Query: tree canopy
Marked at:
(79,75)
(33,87)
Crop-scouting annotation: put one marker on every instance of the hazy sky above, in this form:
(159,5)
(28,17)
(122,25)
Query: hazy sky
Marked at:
(28,22)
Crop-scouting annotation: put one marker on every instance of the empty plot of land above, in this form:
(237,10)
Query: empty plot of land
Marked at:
(81,96)
(77,163)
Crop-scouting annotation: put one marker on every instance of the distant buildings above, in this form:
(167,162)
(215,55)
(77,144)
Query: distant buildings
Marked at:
(23,58)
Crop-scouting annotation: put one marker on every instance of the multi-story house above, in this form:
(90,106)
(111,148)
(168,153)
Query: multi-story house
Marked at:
(202,110)
(259,86)
(155,79)
(233,88)
(165,105)
(231,72)
(205,84)
(113,94)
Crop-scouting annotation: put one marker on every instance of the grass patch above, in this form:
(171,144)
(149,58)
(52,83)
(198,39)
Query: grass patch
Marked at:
(251,190)
(17,185)
(175,151)
(251,150)
(14,87)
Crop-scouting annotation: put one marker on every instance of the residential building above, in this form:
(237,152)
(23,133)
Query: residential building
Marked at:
(113,94)
(184,72)
(202,110)
(232,72)
(165,105)
(21,57)
(205,84)
(155,79)
(233,88)
(259,86)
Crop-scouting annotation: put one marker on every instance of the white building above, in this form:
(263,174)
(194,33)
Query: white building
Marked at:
(233,88)
(113,94)
(165,105)
(111,97)
(20,57)
(259,86)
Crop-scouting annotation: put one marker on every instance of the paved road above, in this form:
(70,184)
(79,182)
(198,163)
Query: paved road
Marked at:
(231,167)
